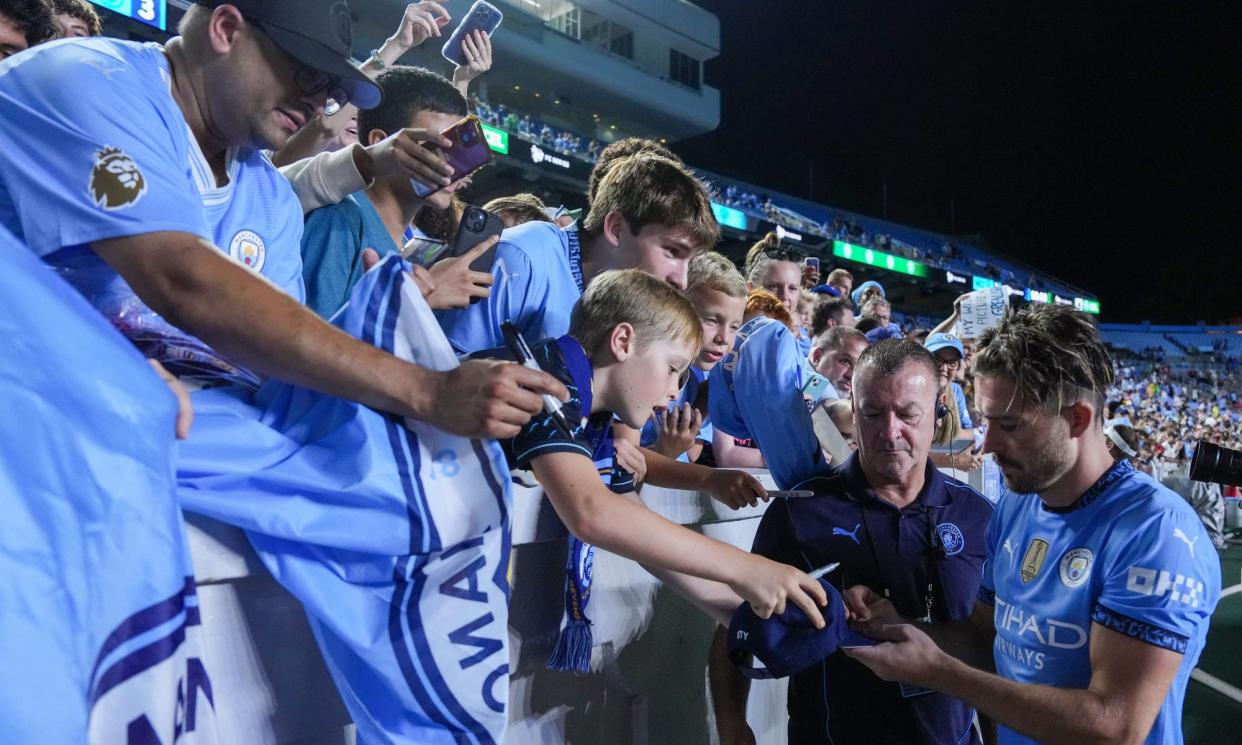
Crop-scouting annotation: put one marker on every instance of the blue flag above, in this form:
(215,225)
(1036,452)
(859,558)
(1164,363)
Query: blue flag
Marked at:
(99,617)
(394,535)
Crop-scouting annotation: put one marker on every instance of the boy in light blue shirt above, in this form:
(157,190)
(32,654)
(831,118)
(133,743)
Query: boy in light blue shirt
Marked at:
(377,217)
(648,213)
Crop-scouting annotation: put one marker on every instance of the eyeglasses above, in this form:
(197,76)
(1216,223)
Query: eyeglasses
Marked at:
(312,82)
(785,253)
(951,364)
(309,81)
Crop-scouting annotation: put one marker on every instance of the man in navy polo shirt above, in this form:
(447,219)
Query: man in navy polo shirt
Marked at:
(890,518)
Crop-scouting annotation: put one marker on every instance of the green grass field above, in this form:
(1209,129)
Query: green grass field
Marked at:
(1212,717)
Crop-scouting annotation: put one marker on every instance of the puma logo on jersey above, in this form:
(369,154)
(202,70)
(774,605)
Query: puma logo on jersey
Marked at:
(1008,549)
(851,534)
(1180,535)
(116,181)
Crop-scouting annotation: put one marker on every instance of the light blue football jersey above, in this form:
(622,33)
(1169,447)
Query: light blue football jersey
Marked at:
(756,392)
(538,278)
(93,146)
(1130,555)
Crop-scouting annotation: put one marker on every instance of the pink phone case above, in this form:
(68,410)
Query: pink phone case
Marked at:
(468,153)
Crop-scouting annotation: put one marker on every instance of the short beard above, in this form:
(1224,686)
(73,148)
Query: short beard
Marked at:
(1044,467)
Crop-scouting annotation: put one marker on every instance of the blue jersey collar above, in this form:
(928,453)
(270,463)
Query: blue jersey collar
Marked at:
(1115,473)
(575,258)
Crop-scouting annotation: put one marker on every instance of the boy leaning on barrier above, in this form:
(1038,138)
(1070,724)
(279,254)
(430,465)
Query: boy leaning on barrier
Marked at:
(631,337)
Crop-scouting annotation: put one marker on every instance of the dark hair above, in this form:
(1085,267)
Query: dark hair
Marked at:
(440,224)
(889,355)
(830,309)
(866,323)
(34,19)
(622,149)
(407,91)
(1129,436)
(1053,355)
(81,10)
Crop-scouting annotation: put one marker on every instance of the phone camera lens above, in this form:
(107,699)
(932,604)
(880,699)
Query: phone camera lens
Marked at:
(467,137)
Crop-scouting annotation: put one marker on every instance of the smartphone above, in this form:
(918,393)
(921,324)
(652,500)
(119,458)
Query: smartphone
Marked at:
(467,153)
(424,251)
(811,262)
(477,225)
(815,387)
(482,16)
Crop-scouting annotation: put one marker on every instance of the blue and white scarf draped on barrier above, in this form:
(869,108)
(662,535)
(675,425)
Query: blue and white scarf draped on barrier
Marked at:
(99,625)
(393,535)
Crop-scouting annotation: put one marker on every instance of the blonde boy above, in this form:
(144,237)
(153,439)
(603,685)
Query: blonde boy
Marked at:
(631,338)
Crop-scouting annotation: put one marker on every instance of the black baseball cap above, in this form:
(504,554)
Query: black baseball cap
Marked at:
(788,642)
(317,33)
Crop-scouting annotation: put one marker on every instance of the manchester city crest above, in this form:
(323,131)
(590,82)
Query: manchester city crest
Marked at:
(248,248)
(1076,567)
(951,538)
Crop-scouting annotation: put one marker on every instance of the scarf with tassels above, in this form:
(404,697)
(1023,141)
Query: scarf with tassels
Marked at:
(573,645)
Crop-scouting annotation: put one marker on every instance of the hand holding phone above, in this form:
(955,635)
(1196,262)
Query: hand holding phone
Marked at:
(456,284)
(466,153)
(482,16)
(476,226)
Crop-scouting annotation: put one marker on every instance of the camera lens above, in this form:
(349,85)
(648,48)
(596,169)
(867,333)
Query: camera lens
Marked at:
(1214,464)
(476,221)
(467,137)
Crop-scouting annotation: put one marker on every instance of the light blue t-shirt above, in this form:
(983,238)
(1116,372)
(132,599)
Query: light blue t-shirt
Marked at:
(332,244)
(755,392)
(1130,555)
(93,146)
(538,278)
(963,411)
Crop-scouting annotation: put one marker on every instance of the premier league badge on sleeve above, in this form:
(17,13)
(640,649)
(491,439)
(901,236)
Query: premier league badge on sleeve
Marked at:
(1076,567)
(116,181)
(248,249)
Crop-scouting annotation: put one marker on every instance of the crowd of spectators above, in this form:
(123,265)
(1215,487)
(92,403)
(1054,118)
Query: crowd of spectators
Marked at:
(535,130)
(637,327)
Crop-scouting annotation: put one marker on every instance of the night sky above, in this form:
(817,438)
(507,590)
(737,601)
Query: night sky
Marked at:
(1101,145)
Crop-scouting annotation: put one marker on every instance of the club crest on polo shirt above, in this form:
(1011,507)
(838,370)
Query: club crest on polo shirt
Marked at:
(951,538)
(1076,567)
(116,180)
(1033,559)
(248,248)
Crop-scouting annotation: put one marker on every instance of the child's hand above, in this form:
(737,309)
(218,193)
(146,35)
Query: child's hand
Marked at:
(737,489)
(677,426)
(631,458)
(767,585)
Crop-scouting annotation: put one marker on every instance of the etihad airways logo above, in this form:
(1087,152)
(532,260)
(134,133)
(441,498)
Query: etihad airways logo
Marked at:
(1049,632)
(1033,633)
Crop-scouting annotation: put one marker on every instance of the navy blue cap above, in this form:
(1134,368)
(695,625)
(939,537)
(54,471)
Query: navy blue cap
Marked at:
(788,642)
(880,333)
(826,290)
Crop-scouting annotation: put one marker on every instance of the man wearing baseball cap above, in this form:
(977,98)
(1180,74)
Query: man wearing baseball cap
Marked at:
(132,169)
